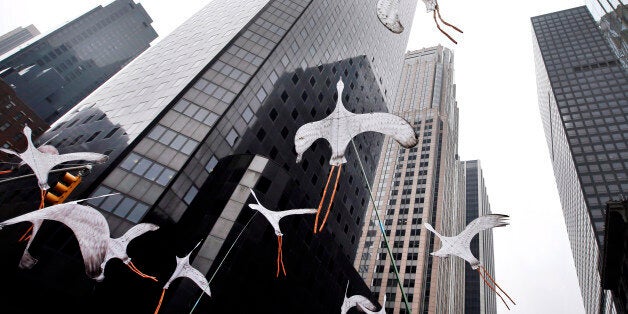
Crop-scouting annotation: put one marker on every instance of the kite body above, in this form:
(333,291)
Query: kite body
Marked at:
(342,125)
(88,225)
(367,311)
(388,14)
(356,300)
(460,245)
(430,5)
(42,161)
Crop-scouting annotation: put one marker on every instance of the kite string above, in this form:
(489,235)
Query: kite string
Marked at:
(223,259)
(392,259)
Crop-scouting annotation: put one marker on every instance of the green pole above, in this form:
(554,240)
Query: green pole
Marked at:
(381,227)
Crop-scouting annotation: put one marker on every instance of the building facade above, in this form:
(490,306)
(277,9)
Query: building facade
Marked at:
(58,70)
(14,114)
(612,17)
(17,37)
(479,298)
(582,90)
(417,185)
(237,79)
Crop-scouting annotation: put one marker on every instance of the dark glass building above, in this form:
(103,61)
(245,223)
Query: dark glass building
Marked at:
(583,100)
(55,72)
(14,114)
(479,298)
(17,37)
(181,124)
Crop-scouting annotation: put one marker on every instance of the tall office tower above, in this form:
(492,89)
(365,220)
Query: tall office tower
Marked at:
(237,78)
(582,91)
(478,297)
(14,114)
(418,185)
(58,70)
(17,37)
(612,17)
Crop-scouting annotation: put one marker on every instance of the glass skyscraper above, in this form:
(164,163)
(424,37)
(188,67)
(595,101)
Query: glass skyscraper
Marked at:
(17,37)
(55,72)
(582,94)
(479,298)
(417,185)
(235,81)
(612,17)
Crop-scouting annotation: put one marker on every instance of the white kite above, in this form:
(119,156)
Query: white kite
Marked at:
(273,218)
(432,6)
(42,161)
(90,229)
(184,269)
(339,128)
(388,14)
(367,311)
(356,300)
(460,245)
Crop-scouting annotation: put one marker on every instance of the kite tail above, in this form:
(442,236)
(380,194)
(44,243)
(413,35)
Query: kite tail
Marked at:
(331,200)
(500,288)
(445,22)
(441,30)
(280,264)
(137,271)
(26,235)
(492,288)
(320,205)
(43,195)
(6,171)
(160,300)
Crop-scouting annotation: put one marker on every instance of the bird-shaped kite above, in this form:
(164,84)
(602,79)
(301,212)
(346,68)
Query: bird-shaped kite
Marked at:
(367,311)
(460,245)
(116,248)
(90,229)
(42,162)
(184,269)
(356,300)
(339,128)
(273,217)
(388,14)
(432,6)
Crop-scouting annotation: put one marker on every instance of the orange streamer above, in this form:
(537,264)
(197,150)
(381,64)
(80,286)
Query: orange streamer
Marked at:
(25,236)
(445,22)
(280,264)
(331,200)
(441,30)
(160,299)
(492,288)
(500,288)
(320,205)
(137,271)
(43,195)
(6,171)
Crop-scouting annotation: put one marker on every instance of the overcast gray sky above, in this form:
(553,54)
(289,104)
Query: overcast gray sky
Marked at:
(499,124)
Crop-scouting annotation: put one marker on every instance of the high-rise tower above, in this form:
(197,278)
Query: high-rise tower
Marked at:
(55,72)
(418,185)
(17,37)
(582,90)
(229,88)
(478,297)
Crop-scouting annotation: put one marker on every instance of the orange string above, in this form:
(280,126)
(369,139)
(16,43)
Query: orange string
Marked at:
(160,299)
(444,22)
(492,288)
(6,171)
(441,30)
(331,200)
(137,271)
(320,205)
(43,195)
(500,288)
(24,236)
(280,264)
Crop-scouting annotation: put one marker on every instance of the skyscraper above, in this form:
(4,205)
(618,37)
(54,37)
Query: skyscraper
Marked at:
(418,185)
(55,72)
(478,297)
(238,79)
(612,17)
(582,90)
(14,114)
(17,37)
